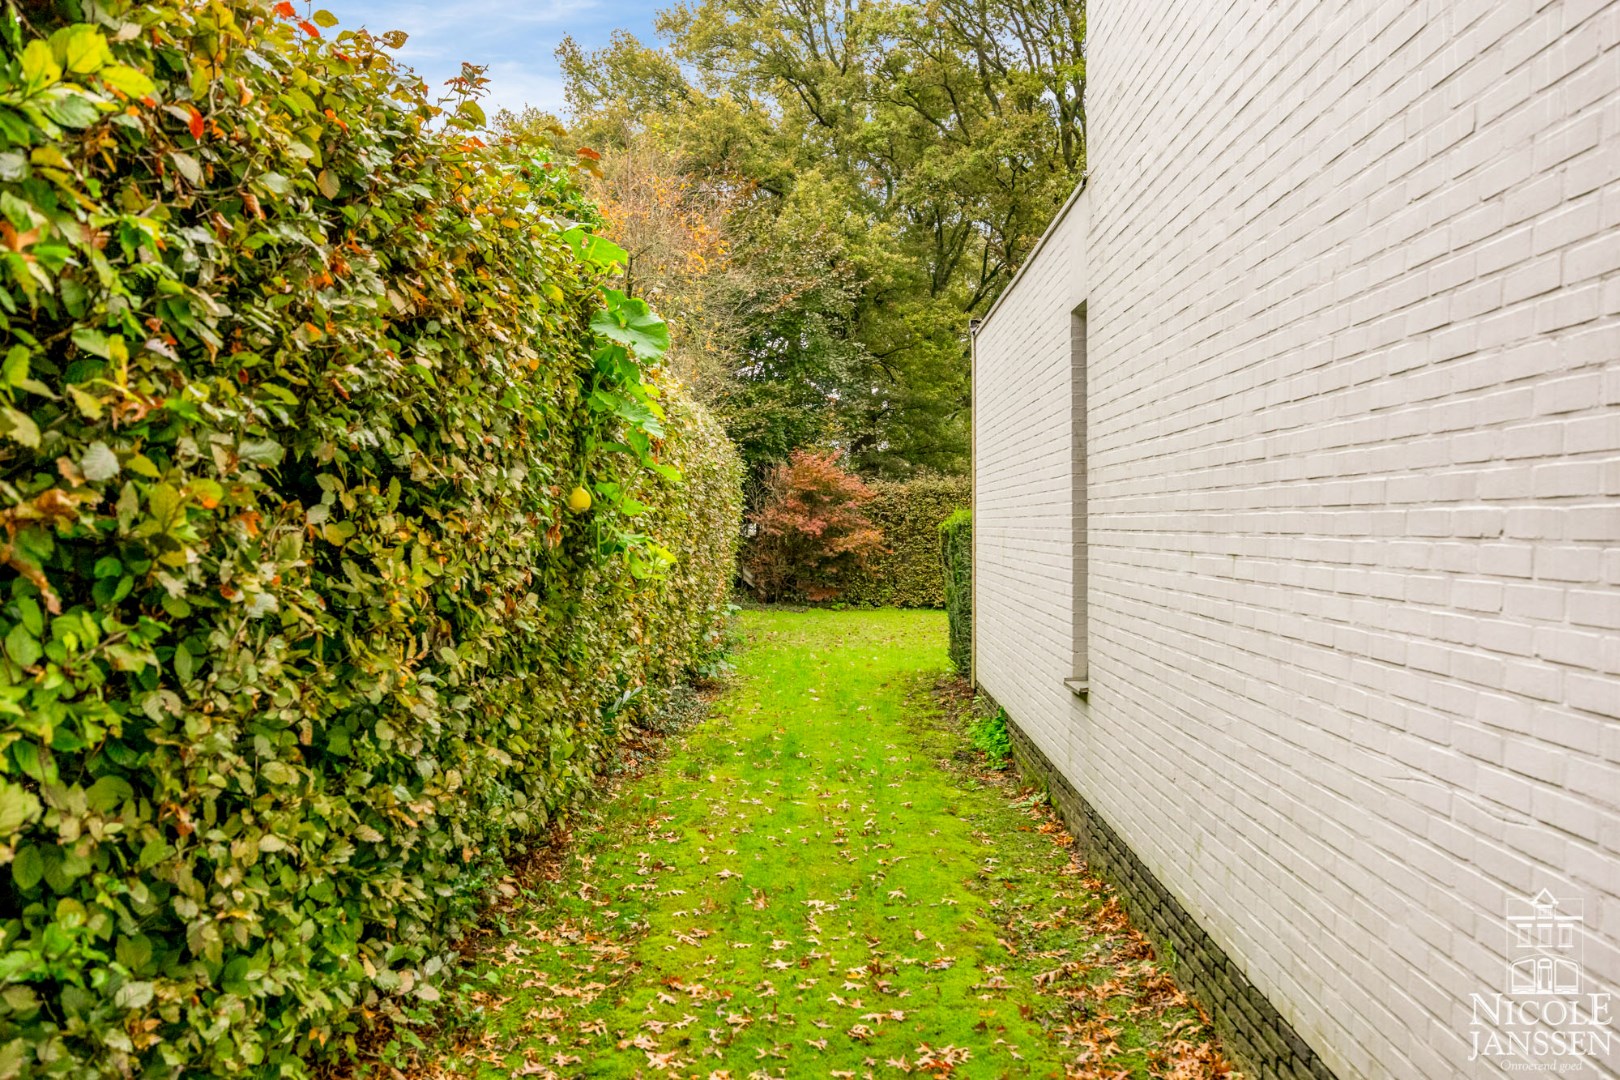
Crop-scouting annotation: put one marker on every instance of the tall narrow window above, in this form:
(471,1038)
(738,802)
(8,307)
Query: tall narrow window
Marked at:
(1080,676)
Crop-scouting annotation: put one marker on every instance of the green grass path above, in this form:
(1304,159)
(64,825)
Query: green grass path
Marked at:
(814,883)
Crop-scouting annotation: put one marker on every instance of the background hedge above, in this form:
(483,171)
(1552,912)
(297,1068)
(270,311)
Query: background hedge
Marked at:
(956,564)
(297,376)
(908,512)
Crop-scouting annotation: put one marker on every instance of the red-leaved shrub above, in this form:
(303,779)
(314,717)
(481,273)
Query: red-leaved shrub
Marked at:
(810,534)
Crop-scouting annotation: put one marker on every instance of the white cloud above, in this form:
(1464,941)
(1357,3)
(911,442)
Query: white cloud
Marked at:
(455,30)
(514,39)
(513,85)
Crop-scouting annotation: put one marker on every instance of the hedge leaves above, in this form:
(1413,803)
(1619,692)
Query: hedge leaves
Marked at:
(299,641)
(956,567)
(908,573)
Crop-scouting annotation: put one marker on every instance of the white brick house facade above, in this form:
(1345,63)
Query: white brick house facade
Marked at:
(1350,409)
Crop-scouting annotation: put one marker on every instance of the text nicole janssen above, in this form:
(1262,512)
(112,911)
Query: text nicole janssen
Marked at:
(1541,1027)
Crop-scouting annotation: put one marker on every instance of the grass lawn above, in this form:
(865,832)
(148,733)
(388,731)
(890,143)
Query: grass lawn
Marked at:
(819,880)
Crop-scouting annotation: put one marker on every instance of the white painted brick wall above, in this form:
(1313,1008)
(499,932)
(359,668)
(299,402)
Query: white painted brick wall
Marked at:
(1023,530)
(1353,282)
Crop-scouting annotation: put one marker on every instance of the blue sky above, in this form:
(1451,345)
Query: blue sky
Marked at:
(515,38)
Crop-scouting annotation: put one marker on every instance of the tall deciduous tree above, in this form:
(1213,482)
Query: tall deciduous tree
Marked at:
(886,166)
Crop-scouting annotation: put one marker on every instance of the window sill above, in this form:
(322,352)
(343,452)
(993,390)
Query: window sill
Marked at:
(1078,687)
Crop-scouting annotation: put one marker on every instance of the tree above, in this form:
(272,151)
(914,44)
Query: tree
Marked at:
(810,535)
(891,162)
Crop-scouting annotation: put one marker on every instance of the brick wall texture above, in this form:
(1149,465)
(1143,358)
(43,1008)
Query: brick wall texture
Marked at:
(1352,426)
(1252,1031)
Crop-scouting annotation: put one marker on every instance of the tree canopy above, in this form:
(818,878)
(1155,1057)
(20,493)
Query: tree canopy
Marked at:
(873,172)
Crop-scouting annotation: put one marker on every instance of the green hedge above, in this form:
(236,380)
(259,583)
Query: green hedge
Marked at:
(298,381)
(956,563)
(908,512)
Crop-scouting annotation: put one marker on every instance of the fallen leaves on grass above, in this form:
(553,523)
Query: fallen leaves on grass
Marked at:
(797,889)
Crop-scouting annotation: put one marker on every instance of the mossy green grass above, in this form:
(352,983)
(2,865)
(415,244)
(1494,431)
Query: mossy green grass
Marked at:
(820,879)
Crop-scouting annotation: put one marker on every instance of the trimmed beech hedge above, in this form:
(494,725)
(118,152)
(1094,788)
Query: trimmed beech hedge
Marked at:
(908,513)
(956,566)
(303,392)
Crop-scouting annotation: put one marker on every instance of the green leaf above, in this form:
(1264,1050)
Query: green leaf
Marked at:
(631,323)
(207,492)
(108,794)
(127,80)
(278,773)
(164,502)
(32,617)
(134,995)
(187,166)
(39,67)
(27,868)
(183,663)
(18,807)
(93,341)
(325,19)
(99,463)
(135,952)
(19,426)
(153,852)
(71,109)
(594,249)
(337,532)
(19,213)
(88,404)
(30,760)
(14,371)
(85,49)
(261,451)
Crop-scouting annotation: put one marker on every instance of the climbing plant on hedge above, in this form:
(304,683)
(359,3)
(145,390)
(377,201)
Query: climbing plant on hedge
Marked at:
(907,572)
(348,521)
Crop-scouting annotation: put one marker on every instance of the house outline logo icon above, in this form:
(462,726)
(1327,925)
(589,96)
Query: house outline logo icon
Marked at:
(1544,942)
(1543,1018)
